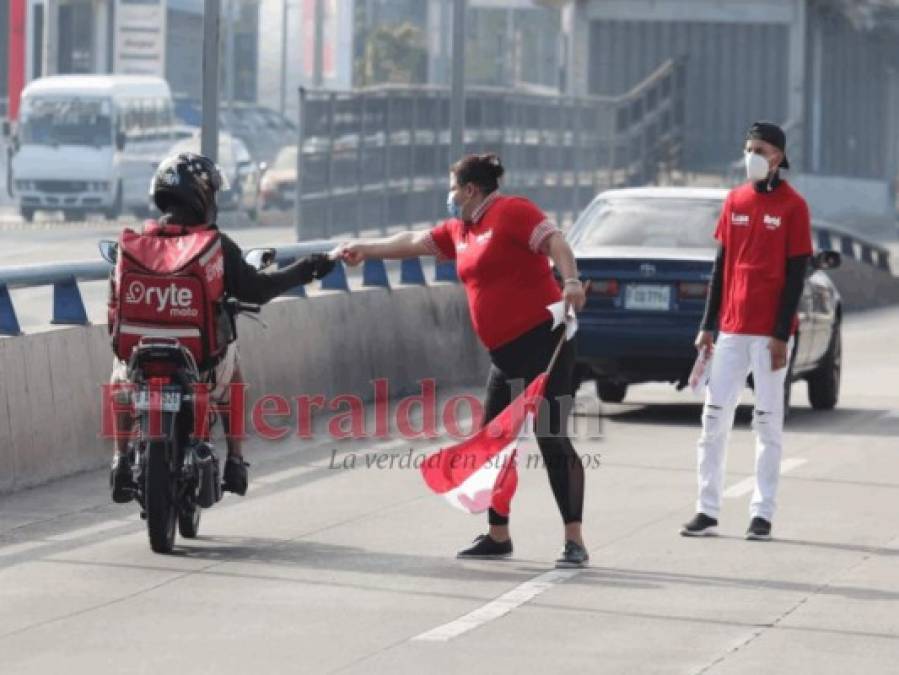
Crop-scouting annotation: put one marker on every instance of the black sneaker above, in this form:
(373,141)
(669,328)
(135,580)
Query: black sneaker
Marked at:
(759,530)
(574,555)
(121,481)
(236,479)
(701,526)
(486,548)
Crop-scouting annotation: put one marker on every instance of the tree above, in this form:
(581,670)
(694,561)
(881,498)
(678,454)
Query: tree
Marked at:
(394,54)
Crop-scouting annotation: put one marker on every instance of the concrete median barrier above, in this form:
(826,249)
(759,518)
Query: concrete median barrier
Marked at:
(326,345)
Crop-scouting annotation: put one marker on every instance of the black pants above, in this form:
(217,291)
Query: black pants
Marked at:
(515,365)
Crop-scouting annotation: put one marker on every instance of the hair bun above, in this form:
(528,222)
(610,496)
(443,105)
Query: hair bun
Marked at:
(493,161)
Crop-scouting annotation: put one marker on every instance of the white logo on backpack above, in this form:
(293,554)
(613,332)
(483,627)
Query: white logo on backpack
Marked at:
(173,299)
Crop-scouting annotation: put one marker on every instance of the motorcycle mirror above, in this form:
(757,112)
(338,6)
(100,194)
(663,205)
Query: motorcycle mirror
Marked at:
(260,258)
(109,250)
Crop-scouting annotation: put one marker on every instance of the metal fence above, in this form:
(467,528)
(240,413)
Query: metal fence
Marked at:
(378,158)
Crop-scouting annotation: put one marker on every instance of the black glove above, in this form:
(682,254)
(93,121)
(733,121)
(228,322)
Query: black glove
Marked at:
(322,265)
(314,266)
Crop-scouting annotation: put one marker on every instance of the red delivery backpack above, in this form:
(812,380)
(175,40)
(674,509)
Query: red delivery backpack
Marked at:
(169,284)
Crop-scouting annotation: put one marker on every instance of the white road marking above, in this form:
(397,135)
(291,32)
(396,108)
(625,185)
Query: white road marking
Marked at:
(22,547)
(747,485)
(72,535)
(497,608)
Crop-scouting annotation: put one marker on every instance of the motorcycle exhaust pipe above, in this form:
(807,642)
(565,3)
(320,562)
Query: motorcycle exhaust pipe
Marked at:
(210,484)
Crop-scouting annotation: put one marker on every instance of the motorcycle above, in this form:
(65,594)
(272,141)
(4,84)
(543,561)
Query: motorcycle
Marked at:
(175,470)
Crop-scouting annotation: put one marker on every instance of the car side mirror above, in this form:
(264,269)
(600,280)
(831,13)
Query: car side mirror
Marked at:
(260,258)
(826,260)
(120,139)
(109,250)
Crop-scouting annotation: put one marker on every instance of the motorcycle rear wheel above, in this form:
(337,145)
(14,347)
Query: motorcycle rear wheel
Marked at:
(162,511)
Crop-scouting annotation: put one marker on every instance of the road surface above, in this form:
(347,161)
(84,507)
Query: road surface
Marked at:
(329,569)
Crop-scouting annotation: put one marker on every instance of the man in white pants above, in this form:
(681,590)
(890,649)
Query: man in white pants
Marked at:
(765,242)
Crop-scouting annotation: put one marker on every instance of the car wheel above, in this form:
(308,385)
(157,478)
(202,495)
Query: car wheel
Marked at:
(610,392)
(824,382)
(27,215)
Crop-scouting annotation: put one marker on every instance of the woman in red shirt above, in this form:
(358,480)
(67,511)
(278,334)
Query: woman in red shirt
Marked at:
(502,246)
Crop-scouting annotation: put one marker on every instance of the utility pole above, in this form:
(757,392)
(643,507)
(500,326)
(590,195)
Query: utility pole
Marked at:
(318,66)
(457,91)
(229,52)
(283,103)
(211,24)
(50,51)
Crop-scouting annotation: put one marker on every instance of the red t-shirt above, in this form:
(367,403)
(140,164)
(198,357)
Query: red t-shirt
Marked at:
(759,231)
(507,280)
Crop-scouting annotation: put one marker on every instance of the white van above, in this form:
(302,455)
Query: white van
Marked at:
(90,143)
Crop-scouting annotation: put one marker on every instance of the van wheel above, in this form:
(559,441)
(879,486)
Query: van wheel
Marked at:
(27,215)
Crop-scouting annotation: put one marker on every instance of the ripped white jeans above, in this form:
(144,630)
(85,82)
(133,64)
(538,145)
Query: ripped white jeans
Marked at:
(735,356)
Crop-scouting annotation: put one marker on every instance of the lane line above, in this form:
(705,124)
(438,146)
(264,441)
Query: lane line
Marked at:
(497,608)
(23,547)
(747,485)
(104,526)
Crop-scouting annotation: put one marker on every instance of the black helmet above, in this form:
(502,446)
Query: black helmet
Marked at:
(188,182)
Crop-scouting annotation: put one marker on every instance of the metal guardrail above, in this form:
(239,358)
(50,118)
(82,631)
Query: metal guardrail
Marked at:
(379,157)
(68,305)
(69,308)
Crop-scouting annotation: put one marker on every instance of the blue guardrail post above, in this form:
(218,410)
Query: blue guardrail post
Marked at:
(411,272)
(446,271)
(68,307)
(9,323)
(336,279)
(374,273)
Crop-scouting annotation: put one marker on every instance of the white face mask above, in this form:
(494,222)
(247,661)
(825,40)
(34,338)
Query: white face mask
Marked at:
(756,167)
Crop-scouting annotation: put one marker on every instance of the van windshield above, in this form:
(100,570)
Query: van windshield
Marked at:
(71,121)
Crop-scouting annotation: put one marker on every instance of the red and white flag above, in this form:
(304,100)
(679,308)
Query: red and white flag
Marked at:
(480,472)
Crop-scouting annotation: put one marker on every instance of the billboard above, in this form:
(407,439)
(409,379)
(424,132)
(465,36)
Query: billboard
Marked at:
(140,37)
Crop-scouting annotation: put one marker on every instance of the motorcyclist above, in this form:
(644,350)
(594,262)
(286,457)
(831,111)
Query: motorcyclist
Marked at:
(184,189)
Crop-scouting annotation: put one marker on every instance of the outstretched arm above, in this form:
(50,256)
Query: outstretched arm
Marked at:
(401,245)
(247,284)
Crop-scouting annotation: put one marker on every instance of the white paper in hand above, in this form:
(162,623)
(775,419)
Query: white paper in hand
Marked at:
(702,370)
(557,310)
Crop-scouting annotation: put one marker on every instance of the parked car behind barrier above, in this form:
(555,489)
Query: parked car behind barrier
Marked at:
(649,253)
(277,189)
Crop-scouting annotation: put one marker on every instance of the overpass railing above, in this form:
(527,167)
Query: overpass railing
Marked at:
(379,157)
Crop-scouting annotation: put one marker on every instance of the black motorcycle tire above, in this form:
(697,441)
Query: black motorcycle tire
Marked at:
(189,522)
(162,511)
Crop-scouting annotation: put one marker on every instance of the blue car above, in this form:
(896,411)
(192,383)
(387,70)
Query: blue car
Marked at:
(648,253)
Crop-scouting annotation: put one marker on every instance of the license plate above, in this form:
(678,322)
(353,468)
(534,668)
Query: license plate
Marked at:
(157,400)
(651,297)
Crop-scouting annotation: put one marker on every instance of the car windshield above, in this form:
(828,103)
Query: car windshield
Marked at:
(72,121)
(287,158)
(651,222)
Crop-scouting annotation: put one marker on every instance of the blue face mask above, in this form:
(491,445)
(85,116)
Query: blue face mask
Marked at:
(454,210)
